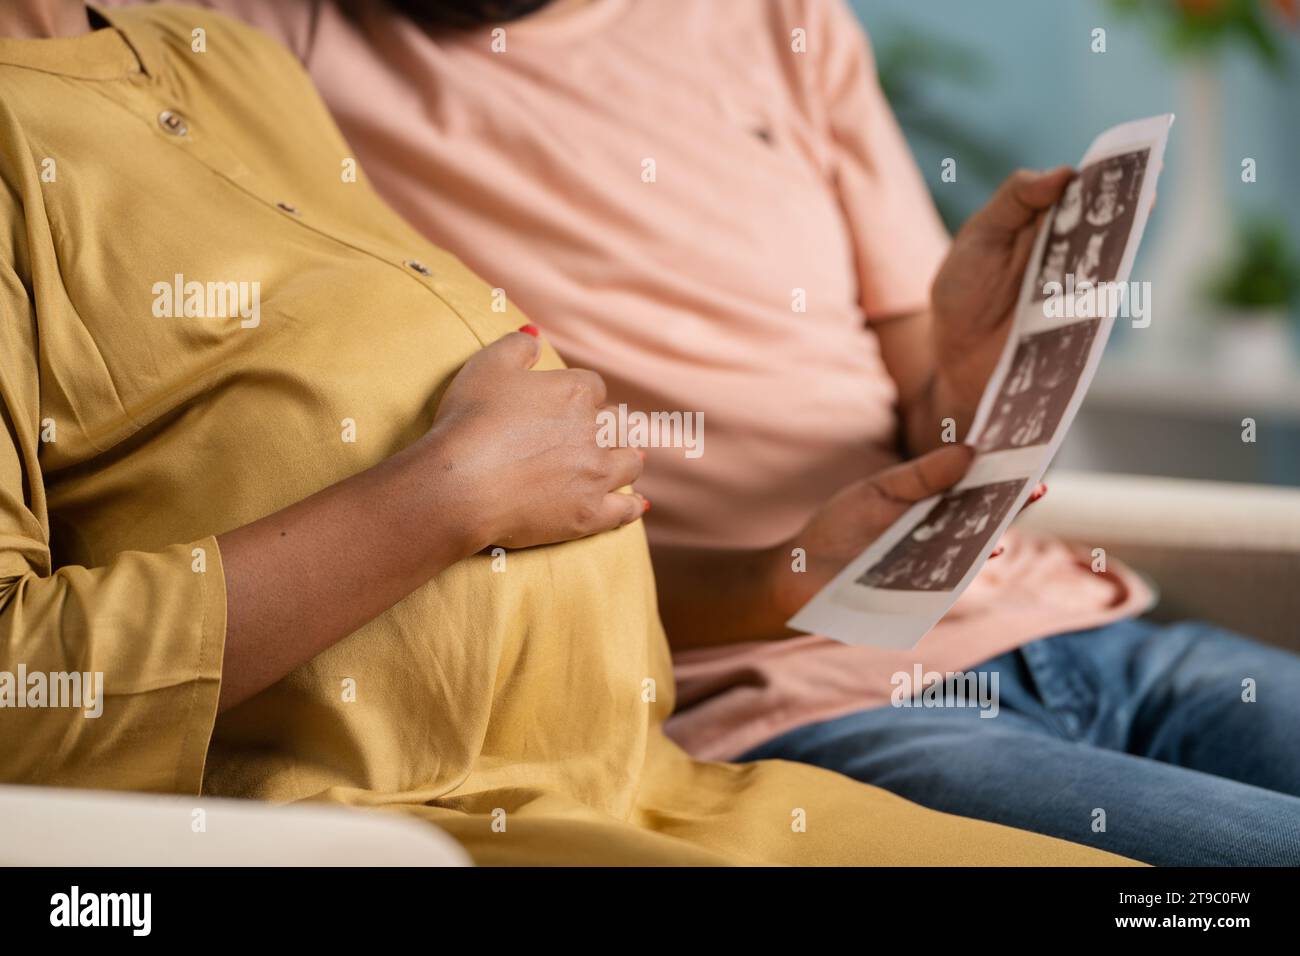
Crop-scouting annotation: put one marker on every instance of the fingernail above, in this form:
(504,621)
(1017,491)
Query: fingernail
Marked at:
(996,552)
(645,505)
(1037,493)
(530,329)
(640,454)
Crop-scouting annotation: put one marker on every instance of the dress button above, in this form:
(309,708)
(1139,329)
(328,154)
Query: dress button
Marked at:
(287,207)
(419,267)
(173,123)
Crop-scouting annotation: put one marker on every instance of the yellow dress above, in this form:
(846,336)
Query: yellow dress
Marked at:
(519,709)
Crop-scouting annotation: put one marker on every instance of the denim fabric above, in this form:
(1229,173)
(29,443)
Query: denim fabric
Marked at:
(1145,722)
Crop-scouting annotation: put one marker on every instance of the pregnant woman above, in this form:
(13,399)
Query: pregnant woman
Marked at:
(784,275)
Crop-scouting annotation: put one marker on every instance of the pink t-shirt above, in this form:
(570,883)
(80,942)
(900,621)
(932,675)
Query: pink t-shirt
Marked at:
(659,184)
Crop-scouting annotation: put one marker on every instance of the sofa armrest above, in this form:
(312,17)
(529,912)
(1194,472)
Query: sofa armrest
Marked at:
(1226,553)
(42,826)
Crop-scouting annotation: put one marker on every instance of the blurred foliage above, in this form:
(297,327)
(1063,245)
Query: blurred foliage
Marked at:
(1264,272)
(1197,27)
(908,63)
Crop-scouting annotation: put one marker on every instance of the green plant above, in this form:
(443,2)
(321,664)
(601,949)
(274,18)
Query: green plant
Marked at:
(1205,26)
(1263,274)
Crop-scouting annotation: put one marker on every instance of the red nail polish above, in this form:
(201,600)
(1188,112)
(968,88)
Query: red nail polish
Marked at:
(530,329)
(996,552)
(1037,493)
(645,505)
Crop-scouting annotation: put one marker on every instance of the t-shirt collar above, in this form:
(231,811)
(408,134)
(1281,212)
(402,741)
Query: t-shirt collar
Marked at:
(123,48)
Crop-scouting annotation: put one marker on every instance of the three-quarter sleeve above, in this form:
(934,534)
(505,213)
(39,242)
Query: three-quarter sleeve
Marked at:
(109,675)
(898,239)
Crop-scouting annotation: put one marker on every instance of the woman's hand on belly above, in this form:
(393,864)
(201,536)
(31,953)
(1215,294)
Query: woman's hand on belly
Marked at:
(511,459)
(516,452)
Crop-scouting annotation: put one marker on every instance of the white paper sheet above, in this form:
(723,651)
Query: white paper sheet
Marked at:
(900,586)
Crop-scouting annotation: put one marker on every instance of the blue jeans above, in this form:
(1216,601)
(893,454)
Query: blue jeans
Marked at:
(1132,738)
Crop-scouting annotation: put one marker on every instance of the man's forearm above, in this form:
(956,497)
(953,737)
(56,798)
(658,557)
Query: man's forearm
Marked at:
(723,597)
(709,596)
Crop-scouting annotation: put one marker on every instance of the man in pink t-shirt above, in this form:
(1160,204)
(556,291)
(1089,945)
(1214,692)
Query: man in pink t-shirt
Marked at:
(710,203)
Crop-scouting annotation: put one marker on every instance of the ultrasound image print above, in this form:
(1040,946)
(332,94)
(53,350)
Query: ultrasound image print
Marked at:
(936,554)
(1044,371)
(1092,221)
